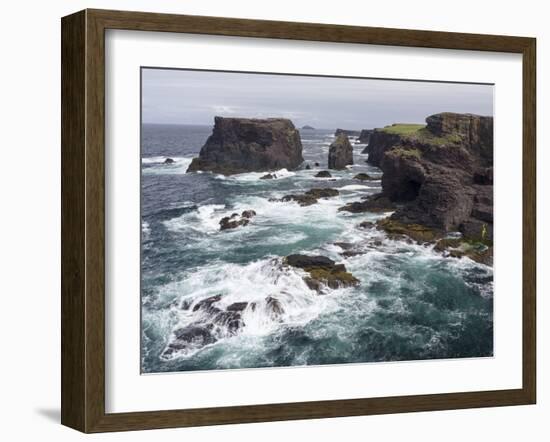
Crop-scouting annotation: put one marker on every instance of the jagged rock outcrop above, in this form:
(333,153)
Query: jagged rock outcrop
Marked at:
(364,135)
(239,145)
(310,197)
(322,271)
(234,221)
(373,203)
(340,153)
(379,142)
(441,172)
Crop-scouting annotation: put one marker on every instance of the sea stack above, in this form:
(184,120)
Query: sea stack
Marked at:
(239,145)
(340,153)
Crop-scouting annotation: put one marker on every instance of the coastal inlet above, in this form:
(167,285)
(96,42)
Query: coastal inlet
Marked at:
(265,245)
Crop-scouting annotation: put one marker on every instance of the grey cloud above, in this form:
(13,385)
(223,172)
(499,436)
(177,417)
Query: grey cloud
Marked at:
(195,97)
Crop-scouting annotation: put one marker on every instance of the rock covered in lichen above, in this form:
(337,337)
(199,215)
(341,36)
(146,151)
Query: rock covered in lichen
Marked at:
(322,271)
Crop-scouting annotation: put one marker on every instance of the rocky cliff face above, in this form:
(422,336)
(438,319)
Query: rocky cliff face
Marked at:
(239,145)
(364,135)
(442,173)
(340,153)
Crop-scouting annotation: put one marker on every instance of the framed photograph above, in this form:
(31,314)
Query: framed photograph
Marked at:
(267,221)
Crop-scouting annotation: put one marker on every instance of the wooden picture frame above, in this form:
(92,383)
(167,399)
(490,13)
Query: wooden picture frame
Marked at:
(83,220)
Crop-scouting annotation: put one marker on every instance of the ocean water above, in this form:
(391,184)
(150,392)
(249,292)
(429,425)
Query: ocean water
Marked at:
(411,304)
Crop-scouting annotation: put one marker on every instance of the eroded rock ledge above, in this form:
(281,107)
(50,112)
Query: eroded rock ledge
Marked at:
(441,173)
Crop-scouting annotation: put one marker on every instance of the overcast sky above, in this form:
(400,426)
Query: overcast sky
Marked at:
(195,97)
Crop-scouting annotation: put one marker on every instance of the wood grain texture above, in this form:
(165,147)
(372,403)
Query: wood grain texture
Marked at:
(83,220)
(73,129)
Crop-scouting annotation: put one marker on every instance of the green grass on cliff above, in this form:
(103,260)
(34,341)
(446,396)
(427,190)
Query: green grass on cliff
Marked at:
(420,133)
(403,129)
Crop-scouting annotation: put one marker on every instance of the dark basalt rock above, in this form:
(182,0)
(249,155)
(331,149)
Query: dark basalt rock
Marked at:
(169,161)
(304,261)
(207,304)
(325,192)
(364,135)
(308,167)
(274,305)
(237,307)
(379,143)
(192,336)
(301,199)
(230,320)
(363,177)
(340,153)
(323,174)
(317,164)
(234,221)
(442,173)
(373,203)
(416,232)
(239,145)
(268,176)
(484,176)
(322,271)
(310,197)
(367,225)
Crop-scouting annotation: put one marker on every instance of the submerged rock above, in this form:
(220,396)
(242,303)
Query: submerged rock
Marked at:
(191,337)
(268,176)
(231,321)
(239,145)
(311,196)
(323,174)
(322,271)
(459,248)
(363,177)
(340,153)
(237,306)
(207,304)
(169,161)
(373,203)
(274,307)
(234,221)
(417,232)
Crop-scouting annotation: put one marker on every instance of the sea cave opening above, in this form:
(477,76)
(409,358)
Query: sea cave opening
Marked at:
(410,190)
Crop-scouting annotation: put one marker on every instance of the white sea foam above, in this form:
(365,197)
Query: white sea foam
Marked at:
(256,176)
(204,219)
(254,283)
(145,229)
(157,165)
(354,187)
